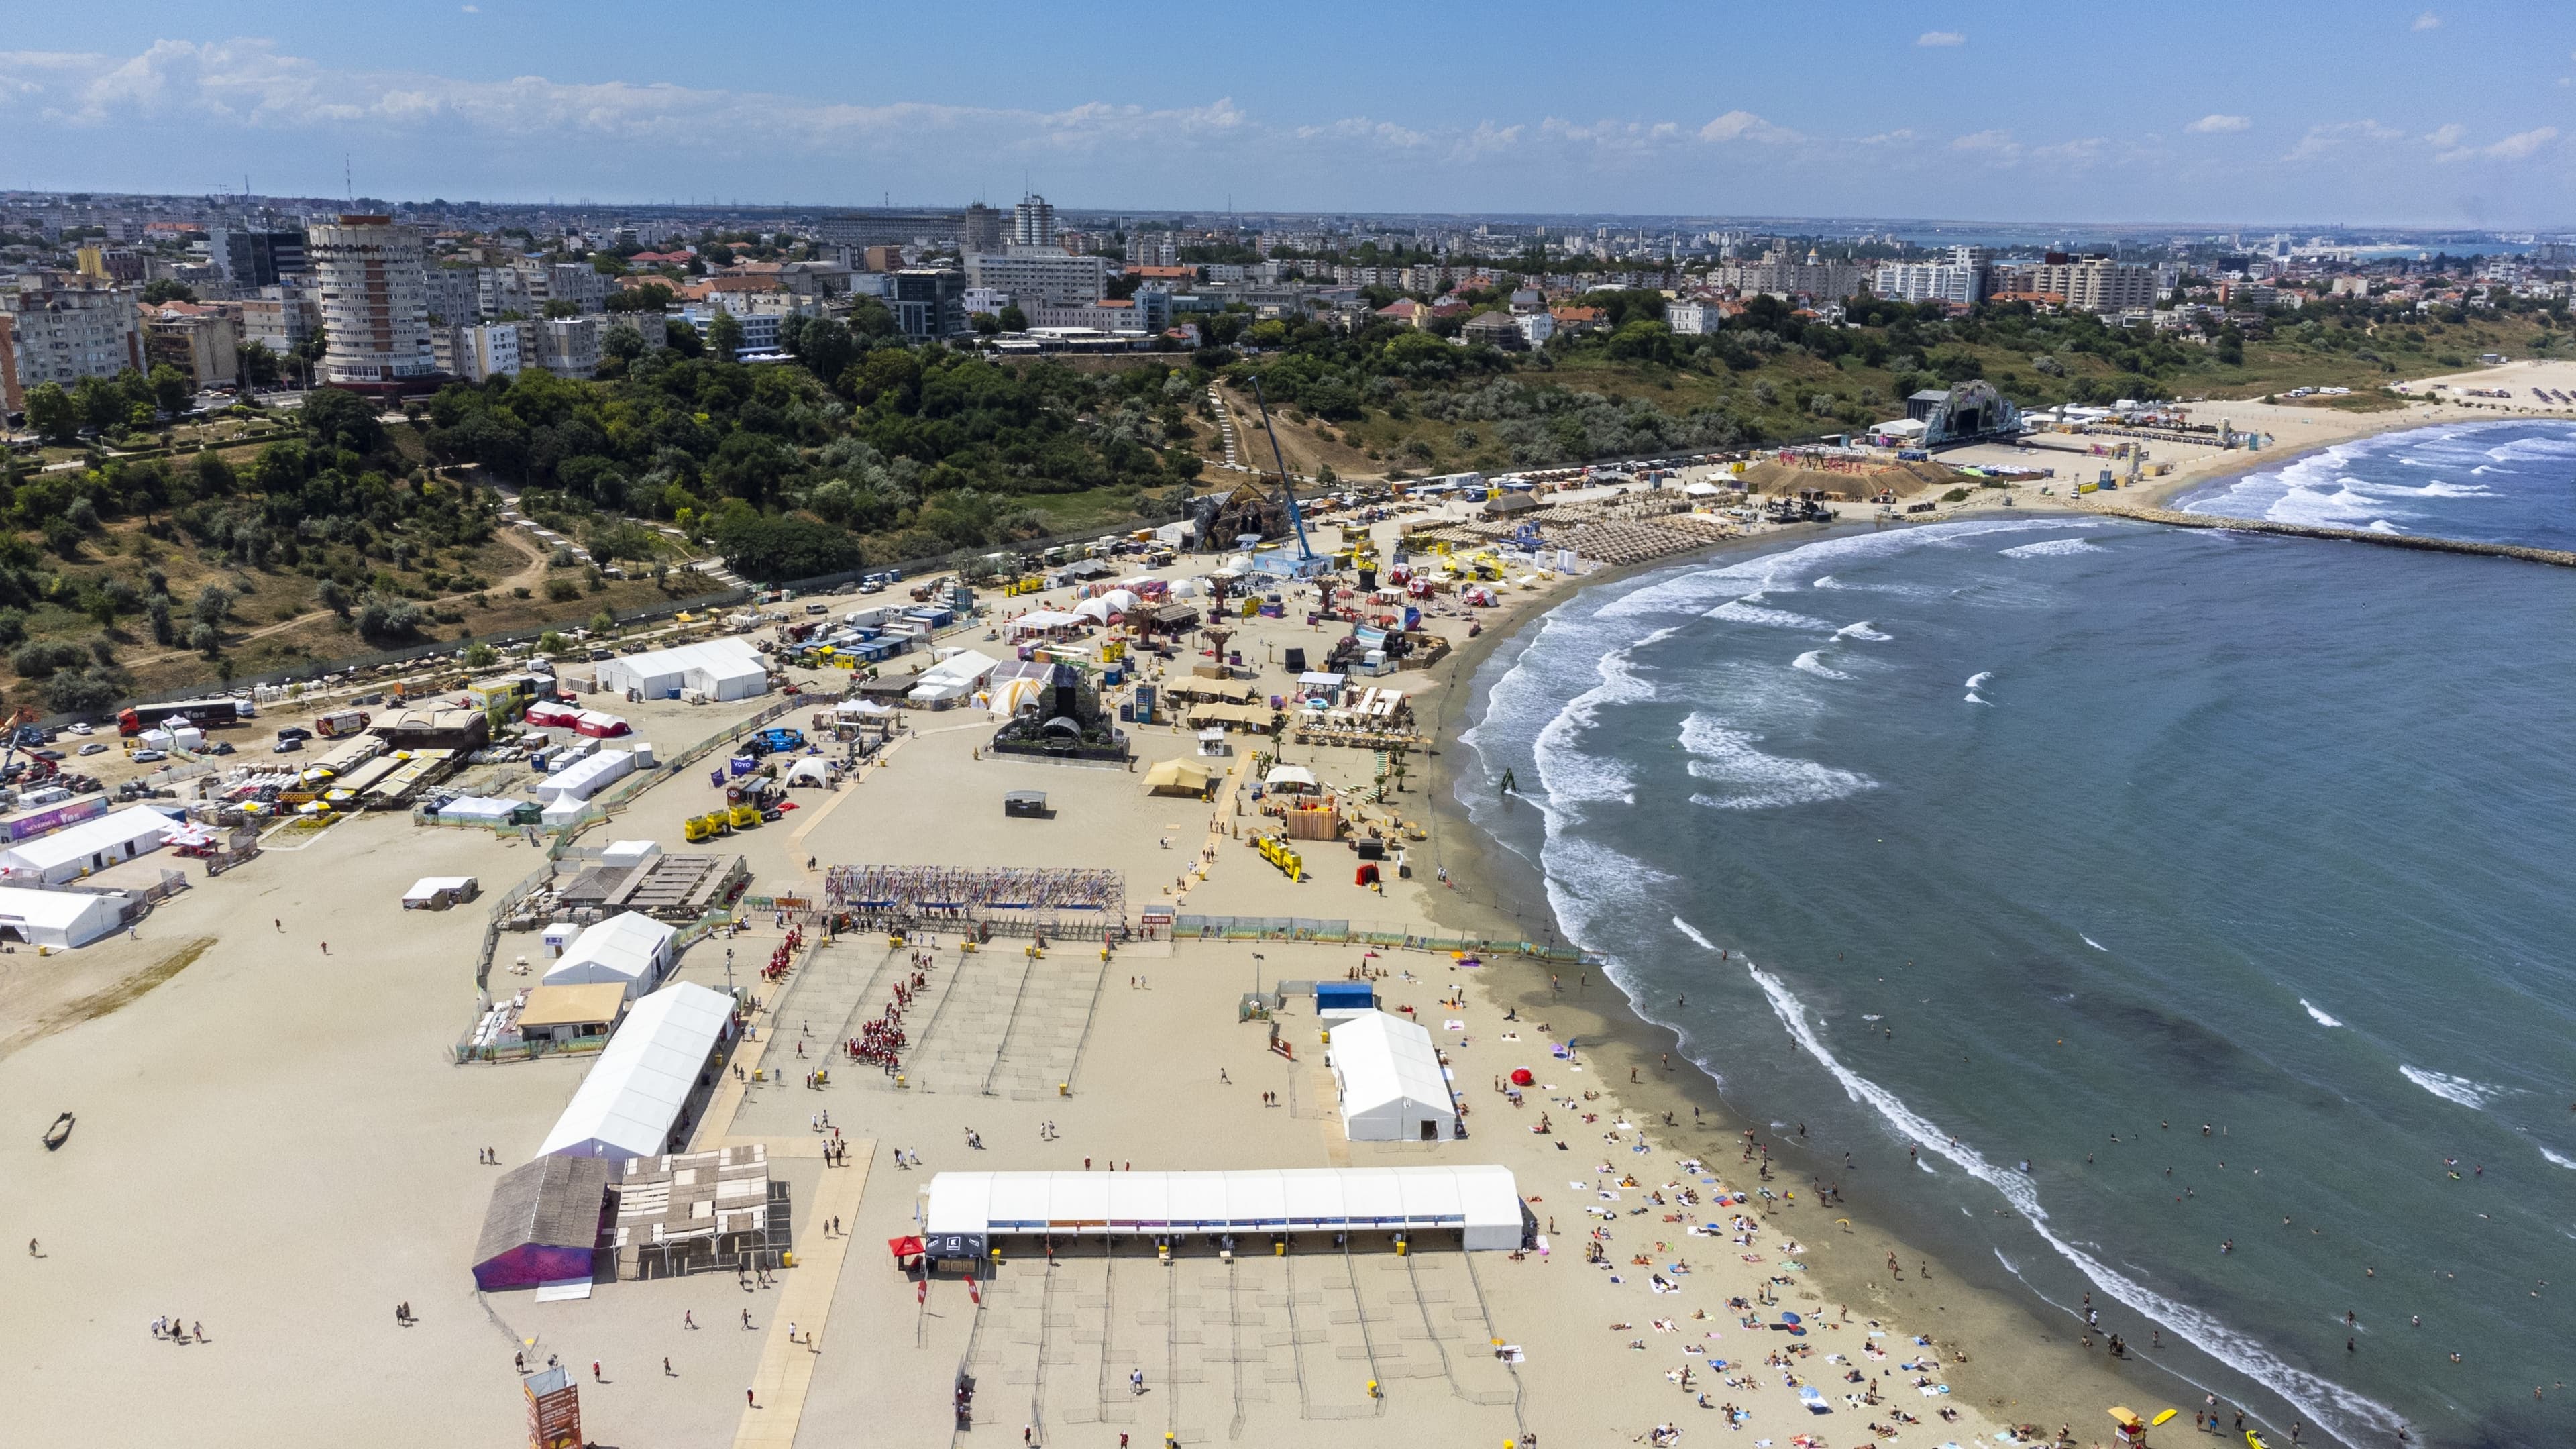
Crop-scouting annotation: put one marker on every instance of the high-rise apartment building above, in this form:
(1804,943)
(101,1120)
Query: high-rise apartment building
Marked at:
(982,232)
(1031,277)
(1033,222)
(373,277)
(61,334)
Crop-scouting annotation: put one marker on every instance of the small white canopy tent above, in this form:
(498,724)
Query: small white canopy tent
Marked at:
(1481,1202)
(629,1103)
(1290,779)
(1391,1083)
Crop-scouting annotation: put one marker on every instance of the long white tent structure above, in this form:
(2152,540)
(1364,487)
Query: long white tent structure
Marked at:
(630,1102)
(1480,1202)
(722,668)
(1391,1083)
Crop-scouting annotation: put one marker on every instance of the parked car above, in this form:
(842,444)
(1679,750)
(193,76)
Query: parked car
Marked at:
(146,757)
(287,746)
(94,747)
(49,754)
(294,732)
(598,654)
(220,747)
(80,729)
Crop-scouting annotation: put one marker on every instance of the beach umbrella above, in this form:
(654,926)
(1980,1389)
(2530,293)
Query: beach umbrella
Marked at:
(1790,1318)
(1521,1077)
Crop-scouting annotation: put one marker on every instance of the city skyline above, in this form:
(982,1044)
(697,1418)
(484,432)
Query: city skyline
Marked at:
(1954,111)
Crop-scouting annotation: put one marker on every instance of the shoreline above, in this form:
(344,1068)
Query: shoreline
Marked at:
(2006,1358)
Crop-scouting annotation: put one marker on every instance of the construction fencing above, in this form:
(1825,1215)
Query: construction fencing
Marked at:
(1363,933)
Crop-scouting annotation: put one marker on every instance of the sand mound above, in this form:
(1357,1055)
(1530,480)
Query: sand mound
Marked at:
(1860,481)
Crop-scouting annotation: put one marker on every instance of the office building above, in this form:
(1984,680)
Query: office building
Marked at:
(929,303)
(1033,222)
(375,309)
(1052,278)
(61,334)
(891,228)
(256,258)
(983,232)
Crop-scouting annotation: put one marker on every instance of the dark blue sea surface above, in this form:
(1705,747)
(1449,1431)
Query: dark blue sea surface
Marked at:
(2025,838)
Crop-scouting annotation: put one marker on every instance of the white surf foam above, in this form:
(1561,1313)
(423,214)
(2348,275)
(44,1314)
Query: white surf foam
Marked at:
(1978,679)
(1862,630)
(1813,663)
(2568,1162)
(2321,1018)
(2089,941)
(2382,525)
(1755,780)
(1975,698)
(1692,931)
(1824,581)
(2449,1088)
(2348,1415)
(2053,548)
(1737,611)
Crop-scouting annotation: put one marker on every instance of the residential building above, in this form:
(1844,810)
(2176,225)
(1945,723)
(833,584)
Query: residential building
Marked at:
(63,333)
(759,329)
(256,258)
(984,301)
(579,283)
(1694,319)
(891,228)
(109,264)
(982,232)
(1536,327)
(1033,222)
(886,259)
(568,346)
(1154,249)
(199,341)
(929,303)
(1498,329)
(1052,278)
(478,350)
(1929,282)
(280,318)
(815,279)
(2094,284)
(375,312)
(1405,310)
(1107,315)
(454,294)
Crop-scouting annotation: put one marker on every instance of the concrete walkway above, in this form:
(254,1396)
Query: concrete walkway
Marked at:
(805,1299)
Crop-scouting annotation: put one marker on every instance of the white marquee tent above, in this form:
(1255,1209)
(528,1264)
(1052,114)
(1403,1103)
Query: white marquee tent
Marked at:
(92,845)
(629,1103)
(1482,1202)
(60,919)
(724,668)
(631,949)
(1391,1083)
(586,777)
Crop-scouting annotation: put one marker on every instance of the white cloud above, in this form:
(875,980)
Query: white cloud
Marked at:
(471,9)
(2449,135)
(2213,125)
(1934,39)
(1744,126)
(2516,147)
(1999,141)
(2325,140)
(2427,21)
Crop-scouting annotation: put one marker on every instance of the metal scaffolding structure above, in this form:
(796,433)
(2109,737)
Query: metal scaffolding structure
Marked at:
(975,893)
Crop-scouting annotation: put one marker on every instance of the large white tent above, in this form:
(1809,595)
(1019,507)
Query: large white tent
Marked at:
(1481,1201)
(60,919)
(586,777)
(1391,1083)
(629,1103)
(723,668)
(92,845)
(954,677)
(632,948)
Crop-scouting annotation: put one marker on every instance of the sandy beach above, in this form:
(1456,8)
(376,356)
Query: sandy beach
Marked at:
(276,1143)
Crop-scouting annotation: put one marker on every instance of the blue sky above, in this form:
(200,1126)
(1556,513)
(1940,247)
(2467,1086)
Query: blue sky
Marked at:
(2355,111)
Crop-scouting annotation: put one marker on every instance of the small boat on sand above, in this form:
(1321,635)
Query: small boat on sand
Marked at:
(59,1133)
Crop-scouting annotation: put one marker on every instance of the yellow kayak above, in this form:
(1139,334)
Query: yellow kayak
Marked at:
(2255,1441)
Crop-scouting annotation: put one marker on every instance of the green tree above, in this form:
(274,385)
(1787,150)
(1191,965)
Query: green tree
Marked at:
(52,412)
(157,611)
(682,338)
(163,289)
(724,336)
(171,389)
(260,367)
(334,597)
(562,307)
(603,622)
(985,324)
(1012,318)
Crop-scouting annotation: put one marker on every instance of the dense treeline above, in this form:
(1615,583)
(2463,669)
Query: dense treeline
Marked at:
(915,450)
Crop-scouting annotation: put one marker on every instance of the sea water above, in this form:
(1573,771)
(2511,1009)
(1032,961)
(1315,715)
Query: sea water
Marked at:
(2025,838)
(2500,482)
